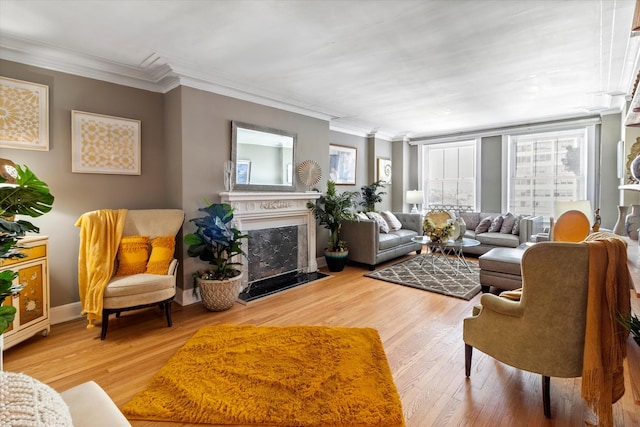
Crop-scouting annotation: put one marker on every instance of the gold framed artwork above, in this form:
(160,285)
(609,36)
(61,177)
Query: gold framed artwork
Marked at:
(24,115)
(104,144)
(342,164)
(384,170)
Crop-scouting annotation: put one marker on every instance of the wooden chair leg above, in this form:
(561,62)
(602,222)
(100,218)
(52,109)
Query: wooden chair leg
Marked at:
(468,352)
(546,395)
(167,311)
(105,324)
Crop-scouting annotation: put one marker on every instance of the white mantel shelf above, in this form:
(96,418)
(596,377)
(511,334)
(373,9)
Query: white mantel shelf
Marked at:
(243,196)
(634,187)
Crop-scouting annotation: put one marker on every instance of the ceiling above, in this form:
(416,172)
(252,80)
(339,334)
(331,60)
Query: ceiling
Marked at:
(400,68)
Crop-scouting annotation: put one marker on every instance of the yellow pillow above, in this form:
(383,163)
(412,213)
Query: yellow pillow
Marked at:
(133,254)
(162,249)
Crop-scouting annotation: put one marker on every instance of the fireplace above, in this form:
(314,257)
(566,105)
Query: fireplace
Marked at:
(282,230)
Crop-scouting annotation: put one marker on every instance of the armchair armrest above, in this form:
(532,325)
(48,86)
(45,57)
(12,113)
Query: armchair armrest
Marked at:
(530,226)
(362,239)
(500,305)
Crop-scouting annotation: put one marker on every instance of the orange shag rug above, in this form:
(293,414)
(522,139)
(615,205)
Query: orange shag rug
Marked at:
(269,375)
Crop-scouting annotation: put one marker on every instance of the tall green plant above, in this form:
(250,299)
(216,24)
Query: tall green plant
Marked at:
(330,210)
(370,196)
(216,241)
(28,196)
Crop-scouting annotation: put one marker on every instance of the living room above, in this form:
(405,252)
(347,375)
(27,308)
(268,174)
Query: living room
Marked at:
(185,139)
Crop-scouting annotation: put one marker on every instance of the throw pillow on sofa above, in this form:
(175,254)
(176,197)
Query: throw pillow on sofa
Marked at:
(392,220)
(516,226)
(508,222)
(382,224)
(496,223)
(484,225)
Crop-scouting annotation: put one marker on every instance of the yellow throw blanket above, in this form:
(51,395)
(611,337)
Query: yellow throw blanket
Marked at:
(605,338)
(100,233)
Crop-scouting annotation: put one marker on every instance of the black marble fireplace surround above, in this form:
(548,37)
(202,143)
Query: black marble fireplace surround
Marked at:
(273,262)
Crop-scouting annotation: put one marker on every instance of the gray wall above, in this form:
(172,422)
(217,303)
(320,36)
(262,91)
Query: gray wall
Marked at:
(205,141)
(491,174)
(76,193)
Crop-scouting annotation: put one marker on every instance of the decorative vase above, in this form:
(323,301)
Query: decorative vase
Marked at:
(220,295)
(455,231)
(619,228)
(632,222)
(336,260)
(463,228)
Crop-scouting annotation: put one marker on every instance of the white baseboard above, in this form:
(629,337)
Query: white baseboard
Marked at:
(185,297)
(64,313)
(67,312)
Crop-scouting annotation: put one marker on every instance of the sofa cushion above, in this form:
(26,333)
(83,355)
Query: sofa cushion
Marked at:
(384,227)
(396,238)
(393,221)
(362,216)
(496,223)
(498,239)
(133,254)
(483,226)
(137,284)
(472,219)
(508,222)
(516,225)
(162,250)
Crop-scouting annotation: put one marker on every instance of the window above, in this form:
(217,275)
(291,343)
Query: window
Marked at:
(547,167)
(450,174)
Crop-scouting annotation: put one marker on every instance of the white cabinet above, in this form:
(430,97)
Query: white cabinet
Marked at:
(32,303)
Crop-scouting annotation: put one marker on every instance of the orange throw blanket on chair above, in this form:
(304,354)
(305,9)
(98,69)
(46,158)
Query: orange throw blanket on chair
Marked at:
(100,233)
(605,338)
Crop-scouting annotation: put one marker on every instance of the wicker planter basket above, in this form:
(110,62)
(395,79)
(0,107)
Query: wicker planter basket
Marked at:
(220,295)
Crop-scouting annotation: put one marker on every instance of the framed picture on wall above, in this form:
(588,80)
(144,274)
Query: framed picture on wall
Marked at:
(243,171)
(384,170)
(25,118)
(104,144)
(342,164)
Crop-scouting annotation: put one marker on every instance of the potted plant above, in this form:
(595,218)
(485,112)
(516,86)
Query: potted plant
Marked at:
(21,193)
(370,196)
(632,324)
(330,210)
(218,242)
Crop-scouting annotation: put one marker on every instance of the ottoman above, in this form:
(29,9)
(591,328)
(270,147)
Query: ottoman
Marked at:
(500,268)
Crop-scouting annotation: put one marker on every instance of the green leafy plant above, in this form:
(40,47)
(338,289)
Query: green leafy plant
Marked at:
(28,196)
(370,196)
(330,210)
(216,241)
(632,324)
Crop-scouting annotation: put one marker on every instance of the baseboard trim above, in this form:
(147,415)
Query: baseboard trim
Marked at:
(65,313)
(185,297)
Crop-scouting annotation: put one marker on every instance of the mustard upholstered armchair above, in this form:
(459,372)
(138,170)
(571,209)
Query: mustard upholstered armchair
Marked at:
(142,290)
(544,332)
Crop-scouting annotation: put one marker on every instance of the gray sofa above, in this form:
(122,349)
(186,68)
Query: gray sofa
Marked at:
(367,245)
(529,226)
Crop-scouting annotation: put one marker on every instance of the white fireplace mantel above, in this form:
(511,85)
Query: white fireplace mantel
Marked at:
(261,210)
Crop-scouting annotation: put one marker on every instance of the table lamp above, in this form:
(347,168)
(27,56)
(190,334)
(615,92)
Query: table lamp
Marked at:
(413,198)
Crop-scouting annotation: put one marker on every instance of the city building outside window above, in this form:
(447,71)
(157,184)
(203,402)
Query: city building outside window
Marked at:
(547,167)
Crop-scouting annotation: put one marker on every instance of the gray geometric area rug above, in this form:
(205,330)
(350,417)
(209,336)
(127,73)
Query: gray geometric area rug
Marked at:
(441,278)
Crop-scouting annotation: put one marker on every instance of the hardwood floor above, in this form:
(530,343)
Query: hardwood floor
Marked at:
(421,333)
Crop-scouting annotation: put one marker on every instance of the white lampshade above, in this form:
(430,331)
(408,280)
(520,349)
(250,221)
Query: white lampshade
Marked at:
(413,198)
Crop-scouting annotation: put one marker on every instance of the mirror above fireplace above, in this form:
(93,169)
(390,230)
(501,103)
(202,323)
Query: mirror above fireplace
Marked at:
(263,157)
